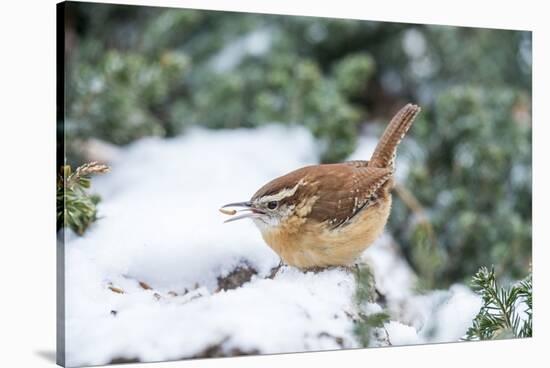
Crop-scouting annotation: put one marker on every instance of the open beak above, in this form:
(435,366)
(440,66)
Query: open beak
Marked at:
(251,212)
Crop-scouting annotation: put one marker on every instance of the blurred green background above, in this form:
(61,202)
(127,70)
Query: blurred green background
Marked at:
(466,200)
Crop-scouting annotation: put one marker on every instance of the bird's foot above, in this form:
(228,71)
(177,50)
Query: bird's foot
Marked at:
(275,270)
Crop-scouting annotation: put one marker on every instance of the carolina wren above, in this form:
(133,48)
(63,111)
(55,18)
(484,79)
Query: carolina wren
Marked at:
(327,215)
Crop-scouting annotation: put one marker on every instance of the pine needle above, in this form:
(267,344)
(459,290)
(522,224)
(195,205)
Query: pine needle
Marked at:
(76,208)
(499,316)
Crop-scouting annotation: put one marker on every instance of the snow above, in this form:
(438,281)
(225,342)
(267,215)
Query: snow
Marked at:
(393,276)
(401,334)
(160,225)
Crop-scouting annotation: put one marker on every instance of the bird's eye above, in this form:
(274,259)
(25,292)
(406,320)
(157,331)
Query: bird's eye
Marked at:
(272,205)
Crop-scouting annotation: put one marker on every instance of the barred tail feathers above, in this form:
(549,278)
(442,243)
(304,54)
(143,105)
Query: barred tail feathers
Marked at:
(384,154)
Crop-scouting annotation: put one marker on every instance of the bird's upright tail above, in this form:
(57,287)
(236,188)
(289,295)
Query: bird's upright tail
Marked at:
(384,154)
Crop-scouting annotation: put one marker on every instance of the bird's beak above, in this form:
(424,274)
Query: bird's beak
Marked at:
(254,212)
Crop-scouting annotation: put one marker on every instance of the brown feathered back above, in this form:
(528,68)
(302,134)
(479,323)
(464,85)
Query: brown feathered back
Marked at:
(338,191)
(335,193)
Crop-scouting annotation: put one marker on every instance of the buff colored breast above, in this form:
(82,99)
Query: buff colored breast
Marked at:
(305,243)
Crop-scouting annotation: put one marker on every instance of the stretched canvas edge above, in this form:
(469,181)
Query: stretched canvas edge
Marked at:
(60,157)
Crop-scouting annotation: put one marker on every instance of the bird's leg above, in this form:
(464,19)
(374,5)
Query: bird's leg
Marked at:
(275,270)
(354,268)
(315,269)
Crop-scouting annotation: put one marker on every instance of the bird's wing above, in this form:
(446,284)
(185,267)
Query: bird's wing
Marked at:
(346,191)
(357,163)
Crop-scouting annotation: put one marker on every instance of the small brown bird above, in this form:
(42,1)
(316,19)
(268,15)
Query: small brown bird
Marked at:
(327,215)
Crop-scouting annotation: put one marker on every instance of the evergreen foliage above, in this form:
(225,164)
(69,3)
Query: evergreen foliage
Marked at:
(505,313)
(76,209)
(366,325)
(473,175)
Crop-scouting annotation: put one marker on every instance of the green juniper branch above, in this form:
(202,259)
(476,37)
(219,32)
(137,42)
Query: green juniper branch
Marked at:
(500,315)
(365,326)
(76,209)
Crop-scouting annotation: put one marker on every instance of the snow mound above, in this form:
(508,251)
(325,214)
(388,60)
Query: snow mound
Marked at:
(160,277)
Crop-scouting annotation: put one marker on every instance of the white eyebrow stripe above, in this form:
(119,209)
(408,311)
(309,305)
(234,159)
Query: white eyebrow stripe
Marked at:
(286,192)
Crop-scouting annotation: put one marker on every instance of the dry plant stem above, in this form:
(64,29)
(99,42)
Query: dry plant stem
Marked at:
(410,200)
(144,285)
(91,168)
(86,170)
(414,205)
(116,290)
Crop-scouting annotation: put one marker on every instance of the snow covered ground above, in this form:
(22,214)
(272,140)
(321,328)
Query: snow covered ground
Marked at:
(160,277)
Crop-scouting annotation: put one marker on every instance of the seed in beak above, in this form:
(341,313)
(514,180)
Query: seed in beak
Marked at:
(252,212)
(228,211)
